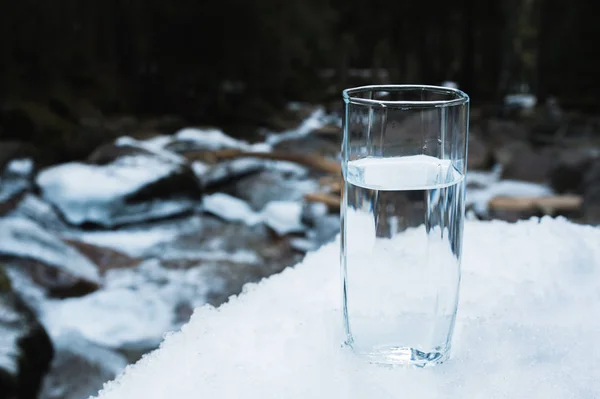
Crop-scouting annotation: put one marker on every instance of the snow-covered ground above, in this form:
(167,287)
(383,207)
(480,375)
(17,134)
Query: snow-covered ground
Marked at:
(526,328)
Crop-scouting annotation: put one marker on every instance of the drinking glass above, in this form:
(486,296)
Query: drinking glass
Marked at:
(404,160)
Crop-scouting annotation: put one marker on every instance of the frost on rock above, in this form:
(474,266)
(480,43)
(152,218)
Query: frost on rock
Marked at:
(526,328)
(21,238)
(129,189)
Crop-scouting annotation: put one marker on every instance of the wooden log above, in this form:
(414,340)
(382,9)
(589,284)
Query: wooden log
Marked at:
(331,200)
(310,160)
(548,204)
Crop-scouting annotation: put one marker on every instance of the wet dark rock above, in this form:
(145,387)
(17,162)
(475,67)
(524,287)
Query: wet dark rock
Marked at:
(480,155)
(125,185)
(230,171)
(54,265)
(217,242)
(26,350)
(521,162)
(591,196)
(104,258)
(502,131)
(80,368)
(310,144)
(261,188)
(570,167)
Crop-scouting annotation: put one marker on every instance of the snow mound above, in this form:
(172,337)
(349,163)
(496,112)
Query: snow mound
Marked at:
(526,328)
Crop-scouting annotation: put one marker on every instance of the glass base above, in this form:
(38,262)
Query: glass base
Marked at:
(399,356)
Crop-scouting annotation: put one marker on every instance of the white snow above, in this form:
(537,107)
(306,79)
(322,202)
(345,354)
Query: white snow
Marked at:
(21,167)
(316,120)
(522,100)
(200,168)
(210,139)
(139,241)
(89,193)
(230,208)
(154,145)
(134,309)
(25,239)
(526,328)
(283,216)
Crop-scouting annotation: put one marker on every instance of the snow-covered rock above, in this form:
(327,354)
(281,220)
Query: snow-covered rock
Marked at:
(526,328)
(23,239)
(129,188)
(25,349)
(134,309)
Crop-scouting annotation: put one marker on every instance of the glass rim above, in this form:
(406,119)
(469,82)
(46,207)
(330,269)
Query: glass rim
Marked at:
(459,97)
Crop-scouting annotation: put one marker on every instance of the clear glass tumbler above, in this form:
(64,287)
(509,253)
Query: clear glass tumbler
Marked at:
(404,160)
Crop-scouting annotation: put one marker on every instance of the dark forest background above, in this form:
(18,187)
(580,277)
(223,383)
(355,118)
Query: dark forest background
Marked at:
(65,63)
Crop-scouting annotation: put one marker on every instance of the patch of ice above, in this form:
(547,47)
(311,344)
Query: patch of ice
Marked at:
(230,208)
(283,216)
(525,329)
(20,167)
(25,239)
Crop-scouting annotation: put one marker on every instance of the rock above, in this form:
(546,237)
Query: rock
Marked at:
(230,243)
(230,171)
(80,368)
(480,156)
(104,258)
(33,208)
(591,197)
(53,264)
(569,169)
(129,185)
(261,188)
(499,132)
(25,348)
(521,162)
(310,144)
(15,182)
